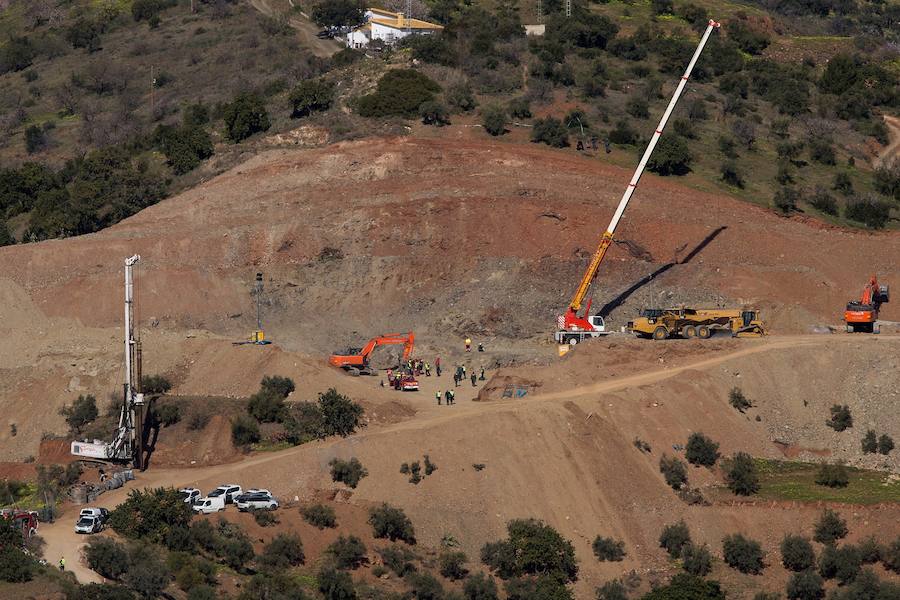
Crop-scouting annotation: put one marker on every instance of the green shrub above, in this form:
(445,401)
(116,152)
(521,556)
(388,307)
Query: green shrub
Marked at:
(185,147)
(731,175)
(304,422)
(493,118)
(797,553)
(285,550)
(830,527)
(35,139)
(107,557)
(805,585)
(623,134)
(821,151)
(400,92)
(608,549)
(532,548)
(147,576)
(245,116)
(398,559)
(198,421)
(869,211)
(671,156)
(869,550)
(460,97)
(274,585)
(433,112)
(749,40)
(168,414)
(637,107)
(550,131)
(674,538)
(823,201)
(520,108)
(842,183)
(842,563)
(309,96)
(155,384)
(347,552)
(612,590)
(319,515)
(391,523)
(673,471)
(340,415)
(737,400)
(244,431)
(684,586)
(741,476)
(700,450)
(742,554)
(349,472)
(480,587)
(890,556)
(833,476)
(785,199)
(338,13)
(277,386)
(453,565)
(265,518)
(336,585)
(696,560)
(841,418)
(83,411)
(266,407)
(727,146)
(150,515)
(885,444)
(425,586)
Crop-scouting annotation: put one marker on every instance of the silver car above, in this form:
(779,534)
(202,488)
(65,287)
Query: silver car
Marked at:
(88,525)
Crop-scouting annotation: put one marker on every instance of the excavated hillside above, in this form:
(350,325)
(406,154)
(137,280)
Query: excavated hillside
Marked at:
(446,238)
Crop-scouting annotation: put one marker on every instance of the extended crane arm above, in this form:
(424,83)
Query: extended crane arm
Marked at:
(607,237)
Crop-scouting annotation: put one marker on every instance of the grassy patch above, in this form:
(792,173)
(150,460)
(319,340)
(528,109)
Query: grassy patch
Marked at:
(270,446)
(782,480)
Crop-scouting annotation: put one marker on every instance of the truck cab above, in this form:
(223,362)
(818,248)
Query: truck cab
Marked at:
(574,336)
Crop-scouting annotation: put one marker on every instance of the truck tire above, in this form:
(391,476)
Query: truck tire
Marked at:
(573,340)
(660,333)
(703,332)
(688,332)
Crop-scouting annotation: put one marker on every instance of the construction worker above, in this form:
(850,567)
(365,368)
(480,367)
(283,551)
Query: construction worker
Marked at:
(449,397)
(62,563)
(427,370)
(482,374)
(474,378)
(463,371)
(437,396)
(456,379)
(452,397)
(437,366)
(468,345)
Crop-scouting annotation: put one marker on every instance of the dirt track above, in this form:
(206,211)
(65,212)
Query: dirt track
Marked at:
(888,156)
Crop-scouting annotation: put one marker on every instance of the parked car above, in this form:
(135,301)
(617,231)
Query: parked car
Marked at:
(256,501)
(258,491)
(209,505)
(101,514)
(89,525)
(227,491)
(190,495)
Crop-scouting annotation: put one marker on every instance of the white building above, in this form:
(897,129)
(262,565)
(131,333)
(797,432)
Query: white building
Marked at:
(388,27)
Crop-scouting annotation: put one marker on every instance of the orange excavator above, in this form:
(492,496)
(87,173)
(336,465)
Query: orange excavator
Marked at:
(862,315)
(356,360)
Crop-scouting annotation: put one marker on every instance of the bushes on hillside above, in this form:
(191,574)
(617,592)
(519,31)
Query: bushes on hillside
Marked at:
(841,418)
(685,585)
(80,413)
(349,472)
(347,552)
(674,471)
(696,559)
(741,476)
(805,585)
(842,563)
(434,113)
(244,431)
(797,553)
(400,92)
(107,557)
(671,156)
(392,523)
(833,476)
(700,450)
(493,118)
(341,416)
(532,548)
(150,515)
(155,384)
(550,131)
(398,559)
(743,554)
(480,587)
(674,538)
(309,96)
(319,515)
(453,565)
(244,116)
(830,527)
(870,211)
(185,147)
(608,549)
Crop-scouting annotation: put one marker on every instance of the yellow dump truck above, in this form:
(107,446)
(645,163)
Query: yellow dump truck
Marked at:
(661,324)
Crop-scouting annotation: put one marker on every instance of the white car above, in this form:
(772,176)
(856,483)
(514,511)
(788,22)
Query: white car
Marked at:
(227,492)
(88,525)
(101,514)
(190,495)
(258,491)
(256,501)
(209,505)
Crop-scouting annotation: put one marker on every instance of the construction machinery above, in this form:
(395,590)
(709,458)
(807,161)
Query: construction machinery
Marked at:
(862,315)
(661,324)
(356,360)
(128,444)
(25,521)
(572,328)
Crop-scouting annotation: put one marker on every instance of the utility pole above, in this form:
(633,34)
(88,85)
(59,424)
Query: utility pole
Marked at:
(259,289)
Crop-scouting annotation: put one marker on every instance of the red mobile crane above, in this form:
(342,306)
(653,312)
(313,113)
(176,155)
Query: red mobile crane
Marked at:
(862,315)
(356,360)
(572,328)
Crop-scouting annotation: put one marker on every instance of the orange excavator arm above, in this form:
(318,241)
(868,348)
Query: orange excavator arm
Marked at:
(362,359)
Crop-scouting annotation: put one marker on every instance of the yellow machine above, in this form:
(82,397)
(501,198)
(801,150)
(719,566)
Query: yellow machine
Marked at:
(661,324)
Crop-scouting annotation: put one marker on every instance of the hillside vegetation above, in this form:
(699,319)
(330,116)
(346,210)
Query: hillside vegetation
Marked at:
(784,109)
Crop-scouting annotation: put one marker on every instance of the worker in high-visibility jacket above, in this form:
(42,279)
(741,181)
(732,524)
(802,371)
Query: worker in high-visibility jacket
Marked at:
(468,345)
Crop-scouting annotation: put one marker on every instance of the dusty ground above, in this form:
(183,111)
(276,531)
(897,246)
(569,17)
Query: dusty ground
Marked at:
(452,239)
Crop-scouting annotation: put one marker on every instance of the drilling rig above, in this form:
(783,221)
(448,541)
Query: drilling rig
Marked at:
(572,327)
(128,444)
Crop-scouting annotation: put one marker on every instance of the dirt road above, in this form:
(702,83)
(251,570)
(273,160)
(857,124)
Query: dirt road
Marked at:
(306,31)
(63,541)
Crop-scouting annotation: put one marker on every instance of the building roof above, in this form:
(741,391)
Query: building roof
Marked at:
(404,23)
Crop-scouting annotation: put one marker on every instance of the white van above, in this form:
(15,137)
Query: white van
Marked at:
(209,505)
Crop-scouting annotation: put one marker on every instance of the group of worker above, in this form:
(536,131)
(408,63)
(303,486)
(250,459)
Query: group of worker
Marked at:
(461,375)
(449,396)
